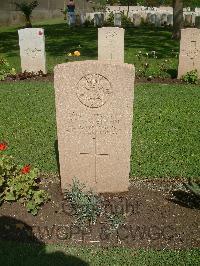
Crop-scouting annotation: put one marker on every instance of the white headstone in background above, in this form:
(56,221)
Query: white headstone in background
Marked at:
(189,57)
(82,18)
(137,20)
(170,19)
(158,20)
(117,19)
(89,16)
(164,19)
(148,19)
(111,44)
(98,19)
(32,50)
(153,19)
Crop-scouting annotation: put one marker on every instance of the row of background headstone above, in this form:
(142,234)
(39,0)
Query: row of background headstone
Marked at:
(143,8)
(137,18)
(110,47)
(92,120)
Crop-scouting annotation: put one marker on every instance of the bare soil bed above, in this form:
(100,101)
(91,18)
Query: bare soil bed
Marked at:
(159,214)
(49,77)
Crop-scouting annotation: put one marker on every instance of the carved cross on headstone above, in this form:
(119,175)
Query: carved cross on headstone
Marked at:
(191,52)
(194,43)
(111,44)
(194,51)
(95,154)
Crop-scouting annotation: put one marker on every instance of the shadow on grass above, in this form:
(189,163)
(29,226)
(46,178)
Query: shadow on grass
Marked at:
(173,73)
(150,38)
(12,252)
(185,199)
(57,155)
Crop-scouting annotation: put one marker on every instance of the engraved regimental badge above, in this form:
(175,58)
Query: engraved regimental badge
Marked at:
(93,90)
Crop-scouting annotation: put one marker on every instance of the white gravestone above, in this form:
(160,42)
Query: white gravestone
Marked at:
(189,57)
(111,44)
(164,19)
(98,19)
(32,50)
(158,20)
(170,20)
(94,109)
(117,19)
(137,20)
(153,19)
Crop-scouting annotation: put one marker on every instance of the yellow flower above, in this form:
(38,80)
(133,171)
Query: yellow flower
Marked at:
(77,53)
(69,54)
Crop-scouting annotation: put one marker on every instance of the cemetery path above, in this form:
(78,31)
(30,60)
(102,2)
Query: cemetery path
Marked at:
(157,214)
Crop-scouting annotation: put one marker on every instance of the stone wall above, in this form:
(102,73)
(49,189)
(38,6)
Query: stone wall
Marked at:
(46,9)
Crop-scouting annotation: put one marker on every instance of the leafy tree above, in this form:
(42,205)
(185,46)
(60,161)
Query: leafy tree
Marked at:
(26,9)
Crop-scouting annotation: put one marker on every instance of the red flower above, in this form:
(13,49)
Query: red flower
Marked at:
(3,146)
(26,169)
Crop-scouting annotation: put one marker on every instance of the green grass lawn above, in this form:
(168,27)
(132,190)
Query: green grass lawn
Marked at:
(12,254)
(60,40)
(165,143)
(166,139)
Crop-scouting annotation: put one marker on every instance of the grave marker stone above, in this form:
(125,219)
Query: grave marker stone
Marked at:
(153,19)
(98,19)
(170,19)
(32,50)
(111,44)
(164,19)
(82,18)
(94,124)
(188,20)
(158,20)
(117,19)
(189,57)
(137,20)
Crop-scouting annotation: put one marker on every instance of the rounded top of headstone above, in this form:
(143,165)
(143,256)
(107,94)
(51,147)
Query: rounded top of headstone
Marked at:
(95,63)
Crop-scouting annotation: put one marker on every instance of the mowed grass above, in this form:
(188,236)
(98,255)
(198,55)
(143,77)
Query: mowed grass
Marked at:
(166,133)
(60,39)
(23,254)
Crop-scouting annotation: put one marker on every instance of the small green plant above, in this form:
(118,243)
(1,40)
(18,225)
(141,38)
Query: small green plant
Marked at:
(191,77)
(146,66)
(19,183)
(87,206)
(115,220)
(5,69)
(144,63)
(164,66)
(110,20)
(126,21)
(194,186)
(26,9)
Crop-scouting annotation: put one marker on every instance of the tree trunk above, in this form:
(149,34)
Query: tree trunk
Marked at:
(128,4)
(28,22)
(177,18)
